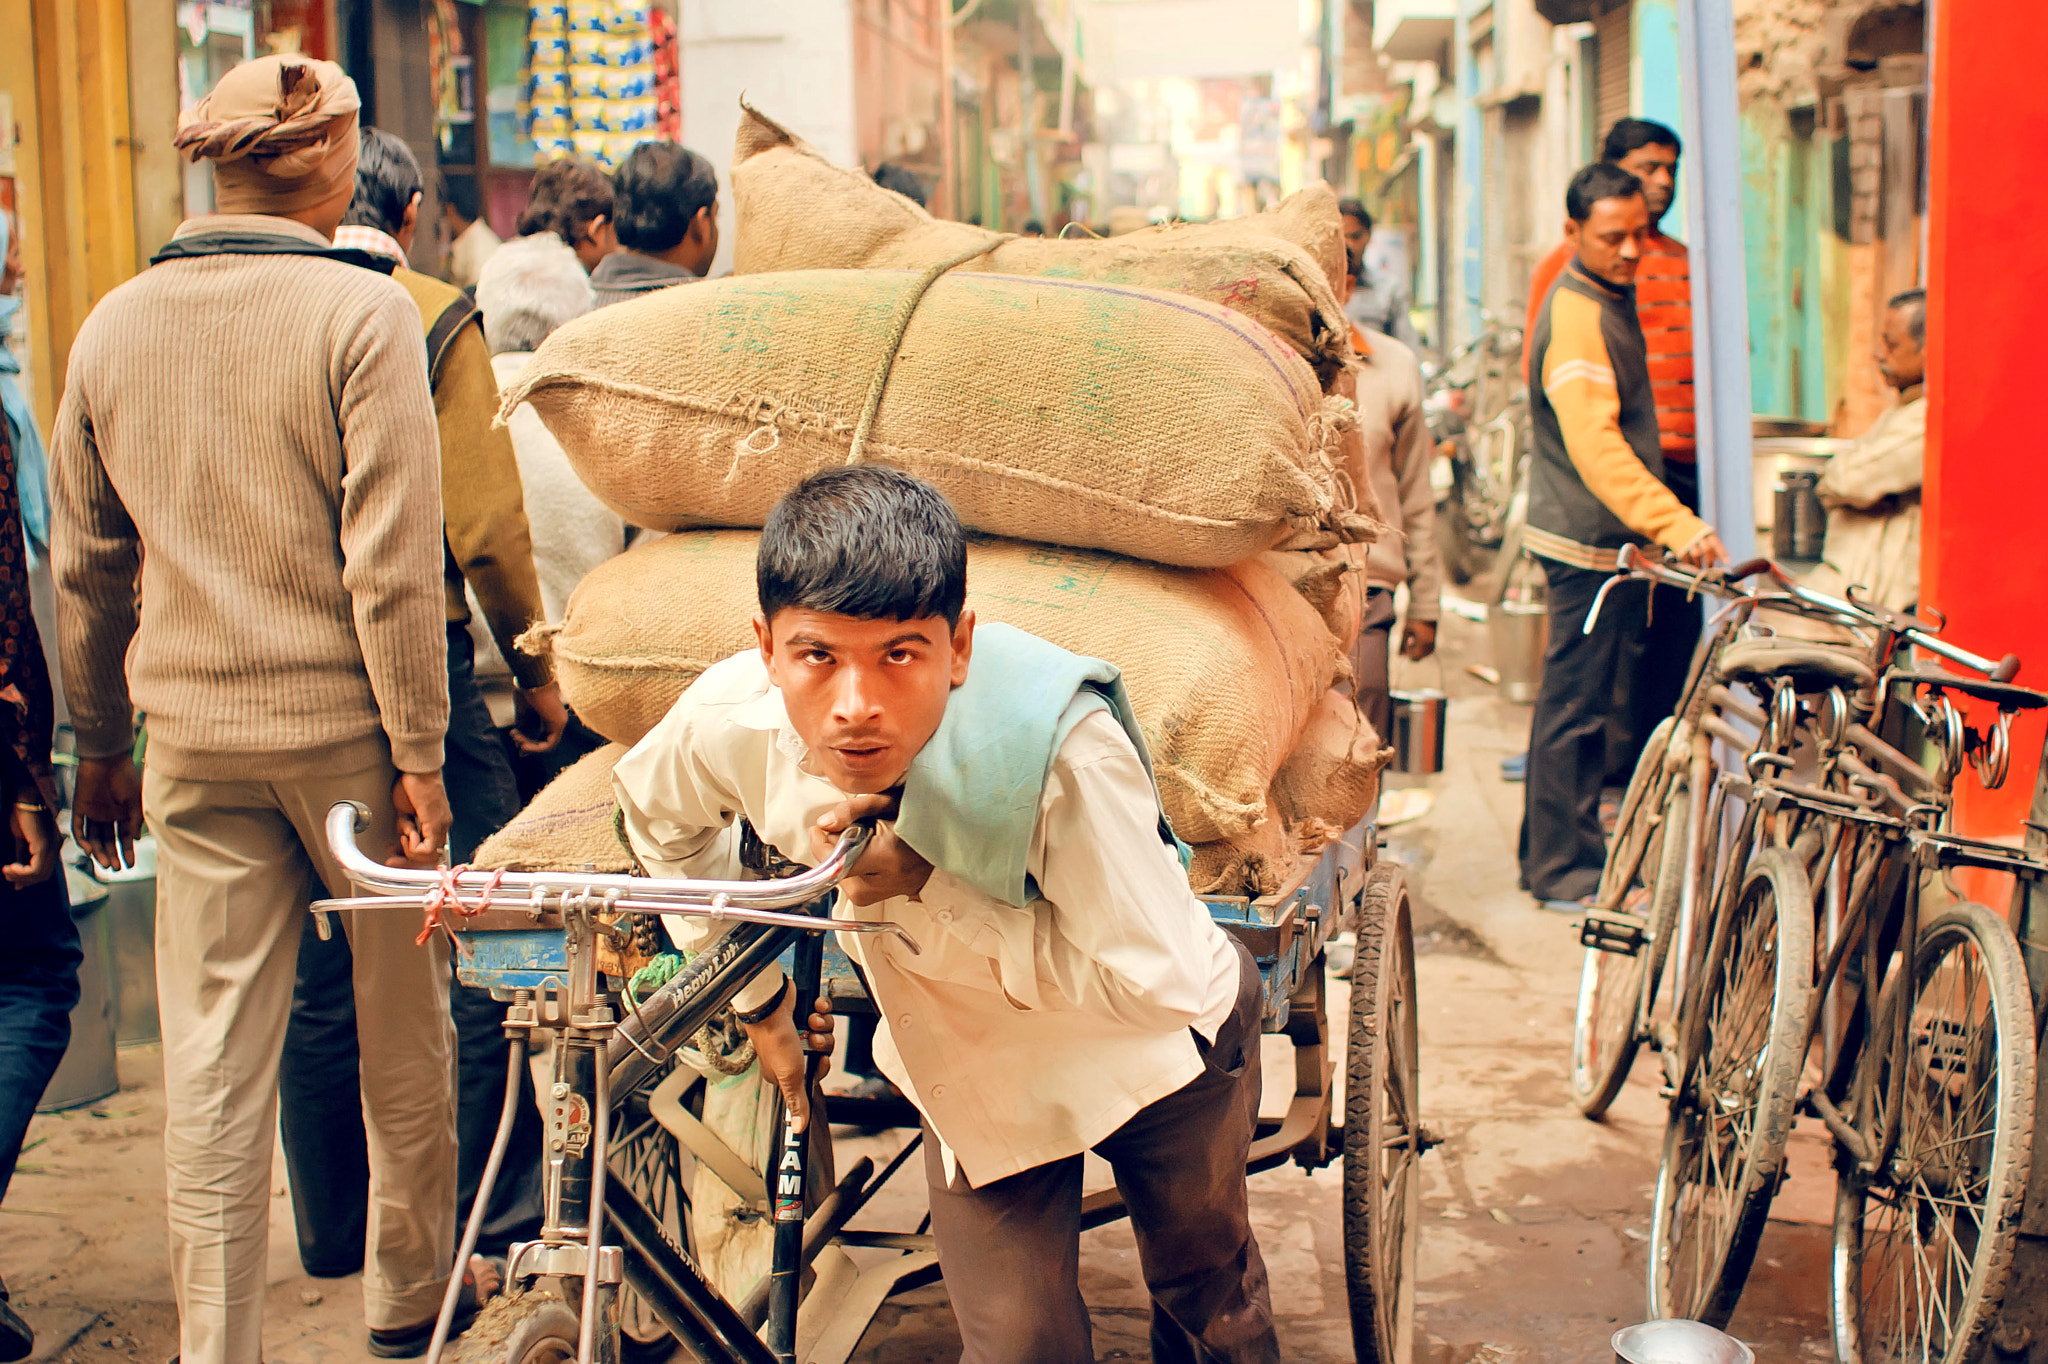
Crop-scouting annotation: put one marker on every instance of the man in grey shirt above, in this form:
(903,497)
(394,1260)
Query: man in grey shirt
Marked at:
(1379,300)
(665,210)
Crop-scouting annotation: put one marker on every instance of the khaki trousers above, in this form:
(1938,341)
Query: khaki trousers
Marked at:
(238,863)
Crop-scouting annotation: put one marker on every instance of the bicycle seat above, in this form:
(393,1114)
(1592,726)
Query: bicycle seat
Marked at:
(1809,666)
(2005,695)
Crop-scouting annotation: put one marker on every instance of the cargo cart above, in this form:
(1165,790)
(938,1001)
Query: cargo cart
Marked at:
(613,1278)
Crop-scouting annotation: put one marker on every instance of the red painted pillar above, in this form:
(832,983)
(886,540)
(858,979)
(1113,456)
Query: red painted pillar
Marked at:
(1984,548)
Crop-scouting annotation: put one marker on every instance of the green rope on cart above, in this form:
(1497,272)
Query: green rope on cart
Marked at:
(656,973)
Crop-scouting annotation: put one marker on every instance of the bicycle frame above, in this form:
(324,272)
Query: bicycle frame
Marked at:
(597,1061)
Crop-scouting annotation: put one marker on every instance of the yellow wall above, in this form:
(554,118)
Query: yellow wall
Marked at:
(73,168)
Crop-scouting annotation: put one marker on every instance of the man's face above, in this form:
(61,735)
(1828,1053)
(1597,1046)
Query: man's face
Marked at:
(865,695)
(1356,235)
(1657,168)
(1611,240)
(1902,360)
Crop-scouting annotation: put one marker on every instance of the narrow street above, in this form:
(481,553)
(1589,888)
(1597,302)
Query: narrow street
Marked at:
(1535,1220)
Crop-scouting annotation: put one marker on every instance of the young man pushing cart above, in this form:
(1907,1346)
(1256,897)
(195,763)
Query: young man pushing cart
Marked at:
(1072,993)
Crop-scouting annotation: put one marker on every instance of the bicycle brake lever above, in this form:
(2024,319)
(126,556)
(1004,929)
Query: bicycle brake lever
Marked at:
(1600,599)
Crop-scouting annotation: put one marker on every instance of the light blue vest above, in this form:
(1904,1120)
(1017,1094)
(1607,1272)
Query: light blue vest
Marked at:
(971,797)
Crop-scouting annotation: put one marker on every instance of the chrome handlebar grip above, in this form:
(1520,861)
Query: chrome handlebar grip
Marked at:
(741,901)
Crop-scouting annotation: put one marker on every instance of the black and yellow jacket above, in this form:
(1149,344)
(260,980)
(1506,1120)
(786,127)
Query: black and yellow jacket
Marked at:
(1596,482)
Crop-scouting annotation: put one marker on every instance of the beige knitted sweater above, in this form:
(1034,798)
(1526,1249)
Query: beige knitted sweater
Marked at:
(255,434)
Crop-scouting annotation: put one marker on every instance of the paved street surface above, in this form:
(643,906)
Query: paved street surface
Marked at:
(1534,1220)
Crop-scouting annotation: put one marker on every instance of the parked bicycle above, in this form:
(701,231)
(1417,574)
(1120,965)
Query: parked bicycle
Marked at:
(1478,413)
(1908,1032)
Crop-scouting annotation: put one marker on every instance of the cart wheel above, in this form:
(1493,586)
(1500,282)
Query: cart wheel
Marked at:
(1383,1139)
(518,1328)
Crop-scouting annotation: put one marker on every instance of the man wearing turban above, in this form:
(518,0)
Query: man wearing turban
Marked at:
(246,536)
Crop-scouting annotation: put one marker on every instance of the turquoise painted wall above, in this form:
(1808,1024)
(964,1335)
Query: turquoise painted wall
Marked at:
(1786,207)
(1653,81)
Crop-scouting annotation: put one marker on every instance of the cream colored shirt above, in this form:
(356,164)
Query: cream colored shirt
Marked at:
(468,252)
(1022,1035)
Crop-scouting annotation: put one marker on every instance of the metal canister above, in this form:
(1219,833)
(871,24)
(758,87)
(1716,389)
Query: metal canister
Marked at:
(1678,1342)
(131,924)
(1799,522)
(1418,736)
(87,1073)
(1519,632)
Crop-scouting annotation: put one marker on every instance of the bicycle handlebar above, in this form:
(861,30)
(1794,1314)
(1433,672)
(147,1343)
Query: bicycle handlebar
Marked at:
(473,891)
(1630,561)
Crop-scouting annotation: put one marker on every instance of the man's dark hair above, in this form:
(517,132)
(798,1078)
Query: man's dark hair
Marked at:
(1354,208)
(1601,180)
(566,195)
(904,181)
(1032,225)
(655,194)
(1627,134)
(387,176)
(1916,299)
(459,192)
(865,541)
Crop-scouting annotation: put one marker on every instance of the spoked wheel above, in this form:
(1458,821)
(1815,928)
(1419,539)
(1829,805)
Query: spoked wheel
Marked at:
(1924,1245)
(1725,1139)
(518,1328)
(1382,1127)
(1645,874)
(648,1160)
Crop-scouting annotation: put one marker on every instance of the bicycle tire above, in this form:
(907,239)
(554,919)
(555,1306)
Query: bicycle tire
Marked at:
(1382,1127)
(1740,1082)
(1886,1200)
(1616,990)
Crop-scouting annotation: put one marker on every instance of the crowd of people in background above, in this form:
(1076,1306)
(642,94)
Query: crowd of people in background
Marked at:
(321,615)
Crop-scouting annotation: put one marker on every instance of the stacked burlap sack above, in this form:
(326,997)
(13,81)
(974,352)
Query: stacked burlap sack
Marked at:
(1179,446)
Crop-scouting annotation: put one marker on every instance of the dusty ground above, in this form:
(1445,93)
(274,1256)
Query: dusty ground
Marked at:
(1534,1219)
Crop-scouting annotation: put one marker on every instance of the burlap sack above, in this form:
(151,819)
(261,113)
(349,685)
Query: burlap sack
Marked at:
(569,824)
(798,211)
(1124,419)
(1332,779)
(1330,582)
(1253,864)
(1224,666)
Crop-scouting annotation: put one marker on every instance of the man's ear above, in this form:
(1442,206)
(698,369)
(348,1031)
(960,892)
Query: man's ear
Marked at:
(411,220)
(963,646)
(764,637)
(1571,231)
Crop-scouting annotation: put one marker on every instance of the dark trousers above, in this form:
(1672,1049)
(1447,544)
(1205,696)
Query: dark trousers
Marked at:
(1650,643)
(1011,1249)
(320,1110)
(38,990)
(1647,690)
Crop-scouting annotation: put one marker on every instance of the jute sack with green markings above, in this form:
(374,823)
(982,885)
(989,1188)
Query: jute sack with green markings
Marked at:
(571,824)
(799,211)
(1125,419)
(1224,666)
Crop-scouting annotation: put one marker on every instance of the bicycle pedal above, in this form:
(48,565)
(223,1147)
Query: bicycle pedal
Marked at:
(1613,930)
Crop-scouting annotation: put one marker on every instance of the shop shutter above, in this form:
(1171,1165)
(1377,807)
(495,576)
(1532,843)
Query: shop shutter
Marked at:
(1611,36)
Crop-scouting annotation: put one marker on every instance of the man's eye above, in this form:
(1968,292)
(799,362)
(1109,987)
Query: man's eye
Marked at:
(816,656)
(902,656)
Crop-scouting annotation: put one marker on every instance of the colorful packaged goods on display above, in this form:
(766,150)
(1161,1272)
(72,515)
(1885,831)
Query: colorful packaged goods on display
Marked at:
(592,81)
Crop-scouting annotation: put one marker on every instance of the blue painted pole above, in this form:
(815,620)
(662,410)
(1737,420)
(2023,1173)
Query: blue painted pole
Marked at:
(1712,170)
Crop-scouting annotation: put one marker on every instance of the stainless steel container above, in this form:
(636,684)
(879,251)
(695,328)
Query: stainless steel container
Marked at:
(1800,524)
(1773,457)
(131,921)
(1519,632)
(87,1073)
(1418,736)
(1678,1342)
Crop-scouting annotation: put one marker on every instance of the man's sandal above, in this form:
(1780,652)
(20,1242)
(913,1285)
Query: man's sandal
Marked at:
(485,1280)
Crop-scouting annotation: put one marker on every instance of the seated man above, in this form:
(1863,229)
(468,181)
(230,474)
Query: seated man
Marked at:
(1071,994)
(1872,492)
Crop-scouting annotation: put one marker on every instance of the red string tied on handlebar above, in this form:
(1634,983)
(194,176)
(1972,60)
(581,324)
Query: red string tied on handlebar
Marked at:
(447,895)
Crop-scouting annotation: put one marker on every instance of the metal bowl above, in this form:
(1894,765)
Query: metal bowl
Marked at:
(1678,1342)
